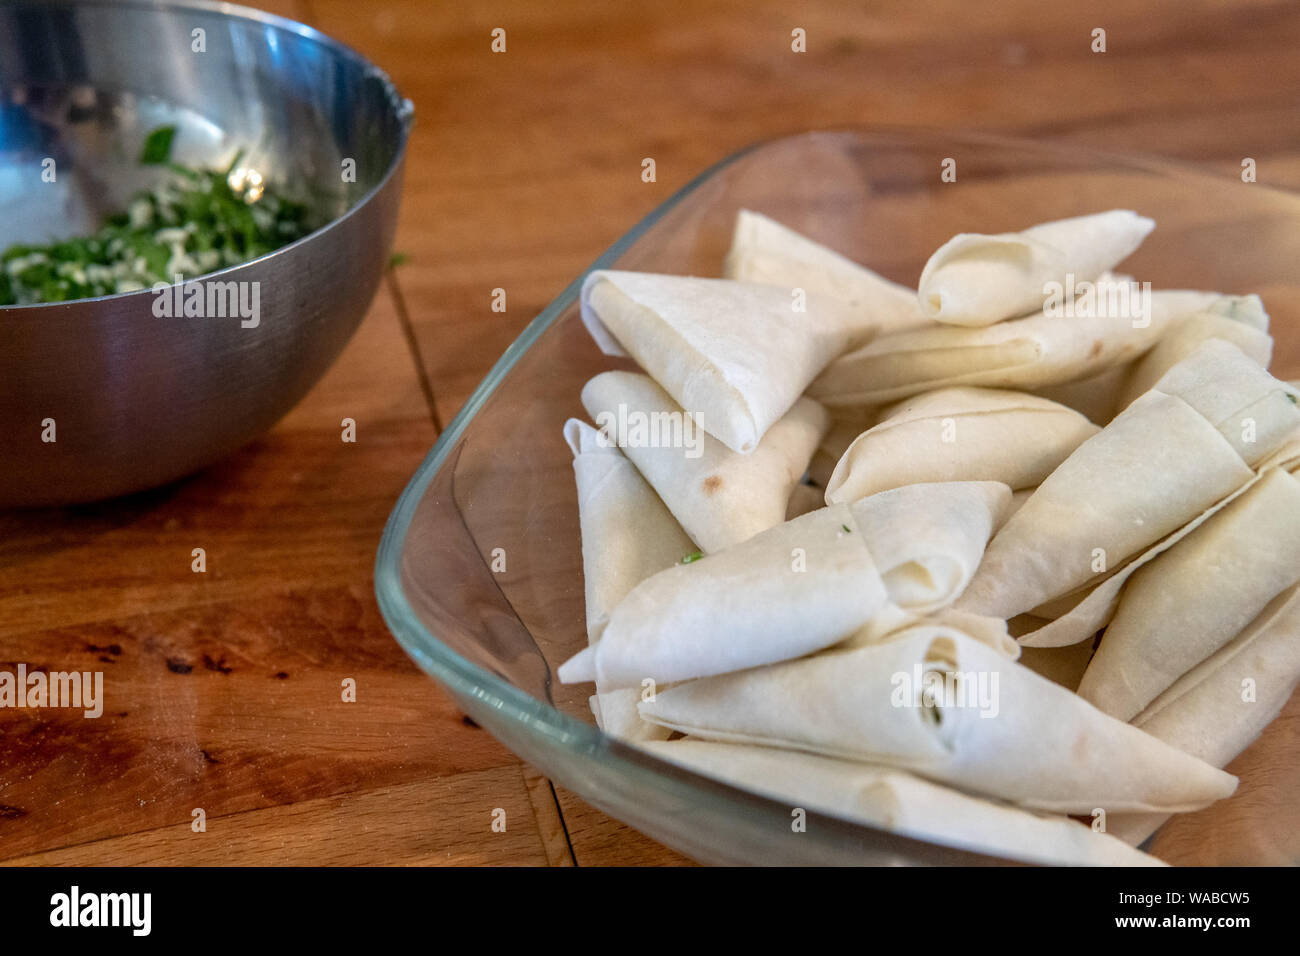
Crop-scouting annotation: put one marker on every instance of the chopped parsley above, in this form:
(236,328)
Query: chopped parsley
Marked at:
(194,222)
(158,146)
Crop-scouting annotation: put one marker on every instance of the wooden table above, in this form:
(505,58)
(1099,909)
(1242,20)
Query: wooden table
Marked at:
(224,687)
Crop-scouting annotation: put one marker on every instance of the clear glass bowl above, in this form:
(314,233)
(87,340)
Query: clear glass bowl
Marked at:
(500,476)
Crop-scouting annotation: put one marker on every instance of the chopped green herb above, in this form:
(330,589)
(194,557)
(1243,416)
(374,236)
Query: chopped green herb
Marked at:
(1292,398)
(194,222)
(398,259)
(158,146)
(693,556)
(846,529)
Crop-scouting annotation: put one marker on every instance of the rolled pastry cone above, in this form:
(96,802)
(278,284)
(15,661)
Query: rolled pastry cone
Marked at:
(1230,389)
(616,714)
(928,538)
(1203,712)
(960,434)
(989,631)
(1206,712)
(766,252)
(627,535)
(1182,607)
(799,587)
(1027,354)
(1240,320)
(719,496)
(1078,616)
(899,802)
(1165,459)
(983,723)
(736,355)
(977,280)
(788,591)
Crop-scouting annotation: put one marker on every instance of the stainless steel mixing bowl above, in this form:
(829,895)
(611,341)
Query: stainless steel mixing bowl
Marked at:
(138,400)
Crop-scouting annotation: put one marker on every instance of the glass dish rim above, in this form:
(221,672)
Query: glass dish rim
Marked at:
(437,658)
(465,677)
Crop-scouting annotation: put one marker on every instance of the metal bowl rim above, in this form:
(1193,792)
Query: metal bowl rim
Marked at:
(402,109)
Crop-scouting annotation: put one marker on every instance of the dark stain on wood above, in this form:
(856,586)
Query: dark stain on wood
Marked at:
(218,665)
(178,666)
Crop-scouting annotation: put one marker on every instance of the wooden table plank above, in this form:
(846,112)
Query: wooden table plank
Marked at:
(600,840)
(435,821)
(551,830)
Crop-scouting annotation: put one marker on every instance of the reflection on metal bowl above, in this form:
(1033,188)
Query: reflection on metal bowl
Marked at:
(131,398)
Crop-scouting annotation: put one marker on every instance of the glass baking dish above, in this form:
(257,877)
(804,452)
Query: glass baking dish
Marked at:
(499,482)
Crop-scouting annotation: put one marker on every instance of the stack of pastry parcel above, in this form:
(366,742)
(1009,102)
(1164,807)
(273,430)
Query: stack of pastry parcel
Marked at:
(822,528)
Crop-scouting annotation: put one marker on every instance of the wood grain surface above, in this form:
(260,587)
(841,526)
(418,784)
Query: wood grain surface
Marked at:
(224,687)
